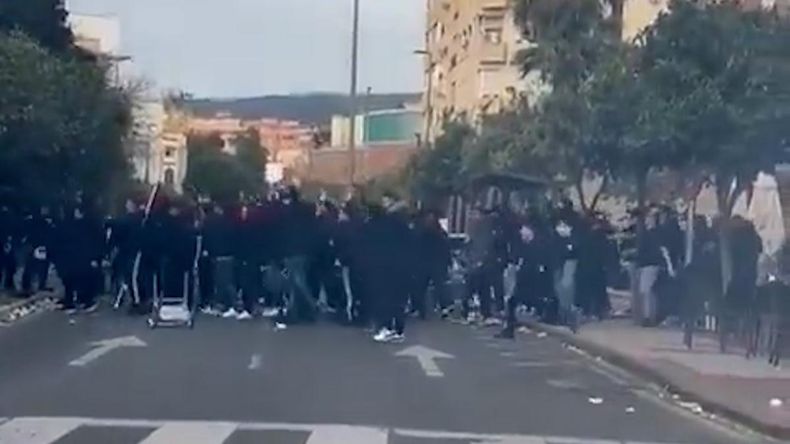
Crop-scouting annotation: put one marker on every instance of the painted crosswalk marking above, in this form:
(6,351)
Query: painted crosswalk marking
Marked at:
(36,430)
(47,430)
(191,432)
(348,435)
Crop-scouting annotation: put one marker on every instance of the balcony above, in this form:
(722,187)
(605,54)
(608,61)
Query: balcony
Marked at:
(494,5)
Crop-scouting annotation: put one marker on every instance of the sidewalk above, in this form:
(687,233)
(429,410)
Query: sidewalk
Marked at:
(12,309)
(725,384)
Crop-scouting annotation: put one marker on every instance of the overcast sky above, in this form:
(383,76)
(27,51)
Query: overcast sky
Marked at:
(235,48)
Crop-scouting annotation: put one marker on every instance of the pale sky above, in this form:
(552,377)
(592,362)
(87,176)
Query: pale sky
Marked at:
(236,48)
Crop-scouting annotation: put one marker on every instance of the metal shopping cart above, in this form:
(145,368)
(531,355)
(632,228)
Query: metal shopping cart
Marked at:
(176,310)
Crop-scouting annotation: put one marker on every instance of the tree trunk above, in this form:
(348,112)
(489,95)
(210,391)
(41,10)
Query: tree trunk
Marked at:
(725,201)
(597,197)
(579,184)
(641,197)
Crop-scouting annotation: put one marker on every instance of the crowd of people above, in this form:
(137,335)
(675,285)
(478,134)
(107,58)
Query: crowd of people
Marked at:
(371,264)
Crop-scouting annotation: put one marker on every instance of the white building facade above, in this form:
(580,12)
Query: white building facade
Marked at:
(157,156)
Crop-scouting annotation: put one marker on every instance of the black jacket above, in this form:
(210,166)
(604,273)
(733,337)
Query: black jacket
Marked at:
(81,243)
(218,238)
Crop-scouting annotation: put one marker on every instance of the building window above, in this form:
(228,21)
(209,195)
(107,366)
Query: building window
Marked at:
(170,153)
(494,36)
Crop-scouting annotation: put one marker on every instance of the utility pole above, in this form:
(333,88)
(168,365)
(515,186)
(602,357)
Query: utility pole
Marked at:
(352,128)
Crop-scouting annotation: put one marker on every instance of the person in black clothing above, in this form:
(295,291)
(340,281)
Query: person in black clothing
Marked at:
(247,260)
(178,253)
(152,241)
(595,256)
(487,252)
(700,279)
(649,261)
(745,248)
(351,254)
(124,242)
(9,236)
(388,245)
(80,249)
(323,274)
(218,292)
(38,230)
(534,281)
(297,239)
(431,259)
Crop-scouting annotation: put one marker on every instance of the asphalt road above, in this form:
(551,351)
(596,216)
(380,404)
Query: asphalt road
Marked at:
(233,382)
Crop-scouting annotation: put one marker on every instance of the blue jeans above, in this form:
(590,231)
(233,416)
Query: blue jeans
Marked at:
(301,305)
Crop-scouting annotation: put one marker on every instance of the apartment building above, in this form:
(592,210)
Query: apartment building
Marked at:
(471,66)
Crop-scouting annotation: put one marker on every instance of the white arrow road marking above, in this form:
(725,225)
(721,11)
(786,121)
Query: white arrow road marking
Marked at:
(191,432)
(255,362)
(347,435)
(426,357)
(37,430)
(105,346)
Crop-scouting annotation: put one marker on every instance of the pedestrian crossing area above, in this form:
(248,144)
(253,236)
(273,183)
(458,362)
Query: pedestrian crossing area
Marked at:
(46,430)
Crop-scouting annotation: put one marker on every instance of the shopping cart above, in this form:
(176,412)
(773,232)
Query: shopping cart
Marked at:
(176,310)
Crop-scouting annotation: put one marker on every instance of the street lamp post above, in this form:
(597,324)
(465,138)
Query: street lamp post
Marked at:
(353,97)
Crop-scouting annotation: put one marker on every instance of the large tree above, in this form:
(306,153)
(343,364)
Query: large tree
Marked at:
(221,175)
(722,74)
(45,21)
(437,172)
(62,127)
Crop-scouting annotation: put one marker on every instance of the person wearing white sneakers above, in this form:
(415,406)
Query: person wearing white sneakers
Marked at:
(218,240)
(388,242)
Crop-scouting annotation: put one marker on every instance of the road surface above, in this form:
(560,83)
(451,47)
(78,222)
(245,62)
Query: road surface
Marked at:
(106,378)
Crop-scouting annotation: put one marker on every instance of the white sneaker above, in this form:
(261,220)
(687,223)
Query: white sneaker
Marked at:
(383,335)
(230,313)
(396,338)
(270,312)
(244,316)
(492,322)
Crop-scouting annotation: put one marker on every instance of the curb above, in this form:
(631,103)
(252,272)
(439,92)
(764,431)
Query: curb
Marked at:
(633,365)
(25,307)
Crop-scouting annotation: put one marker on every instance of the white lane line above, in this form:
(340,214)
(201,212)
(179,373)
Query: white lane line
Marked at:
(533,364)
(520,440)
(564,384)
(348,435)
(191,432)
(255,362)
(543,364)
(507,354)
(37,430)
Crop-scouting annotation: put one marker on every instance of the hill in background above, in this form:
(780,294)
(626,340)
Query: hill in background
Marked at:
(316,108)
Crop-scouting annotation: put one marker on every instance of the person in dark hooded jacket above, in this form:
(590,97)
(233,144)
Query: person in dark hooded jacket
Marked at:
(81,247)
(296,244)
(432,257)
(388,243)
(39,238)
